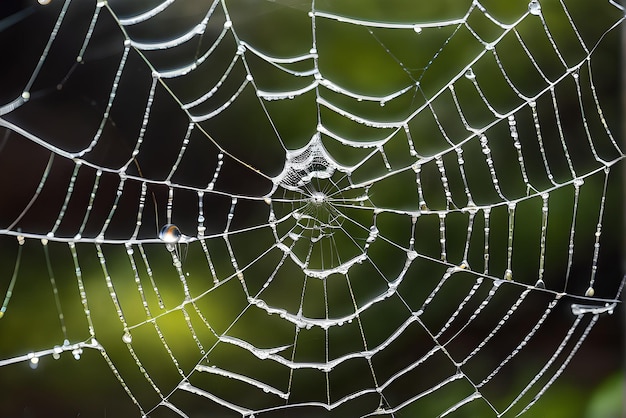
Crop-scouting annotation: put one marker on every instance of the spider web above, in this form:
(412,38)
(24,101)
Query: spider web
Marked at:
(301,208)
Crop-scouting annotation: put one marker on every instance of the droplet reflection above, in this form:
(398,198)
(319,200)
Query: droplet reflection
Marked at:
(170,234)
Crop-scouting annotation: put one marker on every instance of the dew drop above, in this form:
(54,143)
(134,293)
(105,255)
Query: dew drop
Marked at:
(44,2)
(33,361)
(1,314)
(101,3)
(56,352)
(25,95)
(127,338)
(508,274)
(540,284)
(170,234)
(469,74)
(590,292)
(534,8)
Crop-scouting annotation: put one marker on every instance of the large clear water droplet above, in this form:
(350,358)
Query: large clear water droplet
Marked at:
(170,234)
(590,292)
(127,338)
(469,74)
(534,8)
